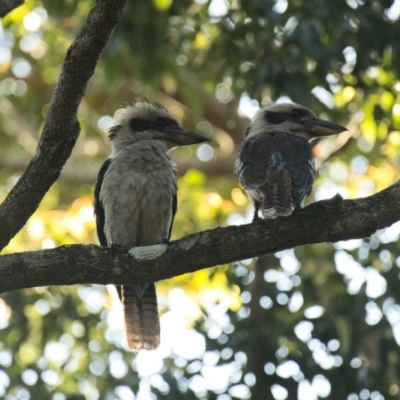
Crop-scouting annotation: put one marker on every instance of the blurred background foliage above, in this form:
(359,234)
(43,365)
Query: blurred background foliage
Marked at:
(322,321)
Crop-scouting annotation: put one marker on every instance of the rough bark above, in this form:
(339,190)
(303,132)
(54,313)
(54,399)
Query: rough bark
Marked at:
(61,128)
(326,221)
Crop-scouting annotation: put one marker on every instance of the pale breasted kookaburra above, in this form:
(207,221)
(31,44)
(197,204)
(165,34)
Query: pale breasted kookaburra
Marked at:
(135,202)
(275,163)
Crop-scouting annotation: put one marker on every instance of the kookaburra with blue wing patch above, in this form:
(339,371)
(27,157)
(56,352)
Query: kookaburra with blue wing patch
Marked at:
(135,202)
(275,164)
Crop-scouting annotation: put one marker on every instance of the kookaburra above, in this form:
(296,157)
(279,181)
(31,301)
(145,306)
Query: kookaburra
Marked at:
(135,202)
(275,164)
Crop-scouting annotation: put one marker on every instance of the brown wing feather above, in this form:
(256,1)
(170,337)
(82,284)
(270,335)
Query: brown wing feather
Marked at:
(279,193)
(278,165)
(174,209)
(98,206)
(299,160)
(253,158)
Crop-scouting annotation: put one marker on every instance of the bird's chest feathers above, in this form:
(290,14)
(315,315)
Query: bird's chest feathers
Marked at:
(137,197)
(139,180)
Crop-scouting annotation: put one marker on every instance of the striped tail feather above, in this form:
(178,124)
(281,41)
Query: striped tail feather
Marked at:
(278,200)
(142,324)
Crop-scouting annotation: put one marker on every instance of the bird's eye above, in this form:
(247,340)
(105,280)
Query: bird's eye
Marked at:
(160,122)
(295,114)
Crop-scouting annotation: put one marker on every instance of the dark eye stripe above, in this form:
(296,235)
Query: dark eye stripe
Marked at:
(140,125)
(298,113)
(277,118)
(274,118)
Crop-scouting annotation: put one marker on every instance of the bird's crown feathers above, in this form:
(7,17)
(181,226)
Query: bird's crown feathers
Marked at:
(142,114)
(277,117)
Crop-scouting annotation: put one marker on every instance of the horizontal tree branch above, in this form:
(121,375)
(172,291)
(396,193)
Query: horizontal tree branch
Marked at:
(325,221)
(61,128)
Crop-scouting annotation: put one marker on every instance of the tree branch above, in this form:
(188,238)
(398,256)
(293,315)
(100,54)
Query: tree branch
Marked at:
(61,128)
(325,221)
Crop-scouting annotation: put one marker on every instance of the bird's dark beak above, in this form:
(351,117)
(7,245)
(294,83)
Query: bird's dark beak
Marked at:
(183,137)
(320,127)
